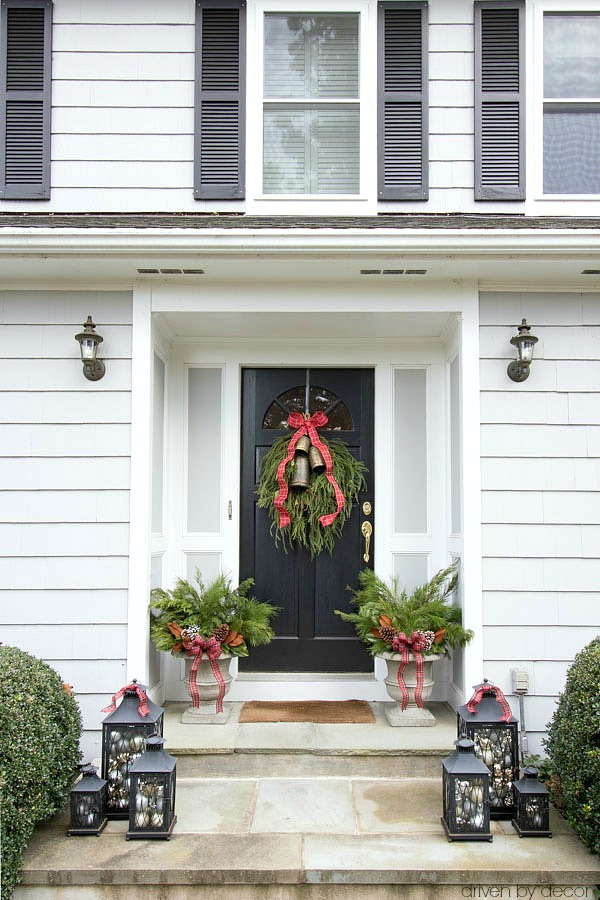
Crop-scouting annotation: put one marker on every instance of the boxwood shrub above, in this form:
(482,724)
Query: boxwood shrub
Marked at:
(40,727)
(573,745)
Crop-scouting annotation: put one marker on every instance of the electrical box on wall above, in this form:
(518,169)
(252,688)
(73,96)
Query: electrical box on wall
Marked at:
(520,681)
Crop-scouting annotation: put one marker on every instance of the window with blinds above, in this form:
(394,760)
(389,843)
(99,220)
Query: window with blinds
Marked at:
(311,111)
(572,103)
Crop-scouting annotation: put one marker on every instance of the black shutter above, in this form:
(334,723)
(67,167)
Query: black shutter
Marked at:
(402,104)
(499,100)
(25,99)
(220,127)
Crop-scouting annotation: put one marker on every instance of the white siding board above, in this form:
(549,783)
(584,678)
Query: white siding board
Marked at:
(130,11)
(51,473)
(123,173)
(552,574)
(451,94)
(64,307)
(509,407)
(58,341)
(58,375)
(453,173)
(451,37)
(525,607)
(78,539)
(29,406)
(577,375)
(538,540)
(554,308)
(86,676)
(536,474)
(451,121)
(65,440)
(566,642)
(450,147)
(591,308)
(451,66)
(543,375)
(64,506)
(54,573)
(109,66)
(511,506)
(123,38)
(121,93)
(123,147)
(549,677)
(70,641)
(584,409)
(534,440)
(41,607)
(150,120)
(455,12)
(538,643)
(579,609)
(582,507)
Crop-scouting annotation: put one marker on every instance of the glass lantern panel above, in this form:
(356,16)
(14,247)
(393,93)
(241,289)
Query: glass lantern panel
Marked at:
(151,803)
(85,811)
(124,745)
(495,746)
(469,807)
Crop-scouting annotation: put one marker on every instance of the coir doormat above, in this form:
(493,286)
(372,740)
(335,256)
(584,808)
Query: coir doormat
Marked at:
(325,712)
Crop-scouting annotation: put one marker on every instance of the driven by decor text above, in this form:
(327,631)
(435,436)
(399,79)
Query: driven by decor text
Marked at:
(527,892)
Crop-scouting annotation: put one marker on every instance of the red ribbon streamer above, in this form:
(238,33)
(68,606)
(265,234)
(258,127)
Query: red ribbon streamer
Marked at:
(407,645)
(487,688)
(141,695)
(305,425)
(212,647)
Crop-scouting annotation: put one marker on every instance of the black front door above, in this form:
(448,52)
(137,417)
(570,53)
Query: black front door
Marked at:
(310,636)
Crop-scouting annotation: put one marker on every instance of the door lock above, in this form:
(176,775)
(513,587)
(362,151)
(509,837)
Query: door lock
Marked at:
(367,530)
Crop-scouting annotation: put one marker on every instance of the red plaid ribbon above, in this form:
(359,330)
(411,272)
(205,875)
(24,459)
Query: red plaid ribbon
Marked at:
(212,647)
(141,695)
(305,425)
(407,645)
(488,688)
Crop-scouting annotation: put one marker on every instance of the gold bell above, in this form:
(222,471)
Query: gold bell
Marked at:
(301,475)
(303,444)
(316,461)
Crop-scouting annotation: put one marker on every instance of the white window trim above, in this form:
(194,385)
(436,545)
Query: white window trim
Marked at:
(535,142)
(368,111)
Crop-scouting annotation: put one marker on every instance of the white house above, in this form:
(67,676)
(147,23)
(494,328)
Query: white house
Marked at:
(252,197)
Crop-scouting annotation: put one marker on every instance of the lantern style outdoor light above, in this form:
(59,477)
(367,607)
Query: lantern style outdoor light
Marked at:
(518,369)
(466,783)
(88,803)
(153,780)
(124,733)
(487,719)
(532,805)
(89,341)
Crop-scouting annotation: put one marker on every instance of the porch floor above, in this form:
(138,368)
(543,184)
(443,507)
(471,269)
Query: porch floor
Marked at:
(285,810)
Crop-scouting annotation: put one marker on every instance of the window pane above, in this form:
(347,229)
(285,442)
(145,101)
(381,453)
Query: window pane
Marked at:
(410,569)
(571,56)
(572,152)
(410,451)
(311,56)
(204,450)
(311,151)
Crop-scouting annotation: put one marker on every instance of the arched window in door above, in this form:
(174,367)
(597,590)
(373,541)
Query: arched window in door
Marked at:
(308,398)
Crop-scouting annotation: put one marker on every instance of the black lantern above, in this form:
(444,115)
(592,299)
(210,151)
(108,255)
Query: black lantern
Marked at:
(466,784)
(518,369)
(89,341)
(88,803)
(124,733)
(487,719)
(152,806)
(532,805)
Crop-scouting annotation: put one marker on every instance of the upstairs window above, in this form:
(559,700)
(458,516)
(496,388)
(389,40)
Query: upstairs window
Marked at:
(572,103)
(311,106)
(25,85)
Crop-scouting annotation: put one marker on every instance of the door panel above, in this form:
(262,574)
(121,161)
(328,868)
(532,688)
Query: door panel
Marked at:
(310,637)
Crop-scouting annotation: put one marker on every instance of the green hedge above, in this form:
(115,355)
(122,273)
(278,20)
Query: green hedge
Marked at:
(573,745)
(40,727)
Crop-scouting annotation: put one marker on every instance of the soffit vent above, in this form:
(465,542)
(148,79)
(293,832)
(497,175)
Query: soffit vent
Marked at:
(393,271)
(170,271)
(590,272)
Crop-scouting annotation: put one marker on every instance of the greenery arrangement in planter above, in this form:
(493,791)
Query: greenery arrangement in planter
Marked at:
(385,611)
(208,626)
(307,507)
(408,631)
(214,609)
(40,727)
(573,747)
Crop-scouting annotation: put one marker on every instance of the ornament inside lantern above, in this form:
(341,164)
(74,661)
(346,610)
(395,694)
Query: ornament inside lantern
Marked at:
(88,803)
(466,808)
(124,733)
(532,805)
(153,781)
(487,719)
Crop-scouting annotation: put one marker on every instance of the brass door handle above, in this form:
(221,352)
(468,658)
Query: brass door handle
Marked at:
(366,531)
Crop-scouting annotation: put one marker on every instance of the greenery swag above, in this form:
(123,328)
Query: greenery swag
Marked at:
(305,507)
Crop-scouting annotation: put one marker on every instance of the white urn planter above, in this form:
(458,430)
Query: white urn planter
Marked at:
(208,691)
(413,714)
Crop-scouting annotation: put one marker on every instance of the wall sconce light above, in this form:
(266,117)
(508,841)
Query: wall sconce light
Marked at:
(518,369)
(93,368)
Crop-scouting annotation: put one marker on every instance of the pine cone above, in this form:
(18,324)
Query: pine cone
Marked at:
(387,633)
(221,632)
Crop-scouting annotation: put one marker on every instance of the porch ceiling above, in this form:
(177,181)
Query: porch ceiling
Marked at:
(304,325)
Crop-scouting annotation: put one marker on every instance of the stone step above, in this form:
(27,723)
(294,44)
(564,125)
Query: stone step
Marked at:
(307,839)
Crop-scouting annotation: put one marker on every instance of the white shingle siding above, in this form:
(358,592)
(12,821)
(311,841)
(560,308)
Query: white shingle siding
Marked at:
(540,492)
(64,489)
